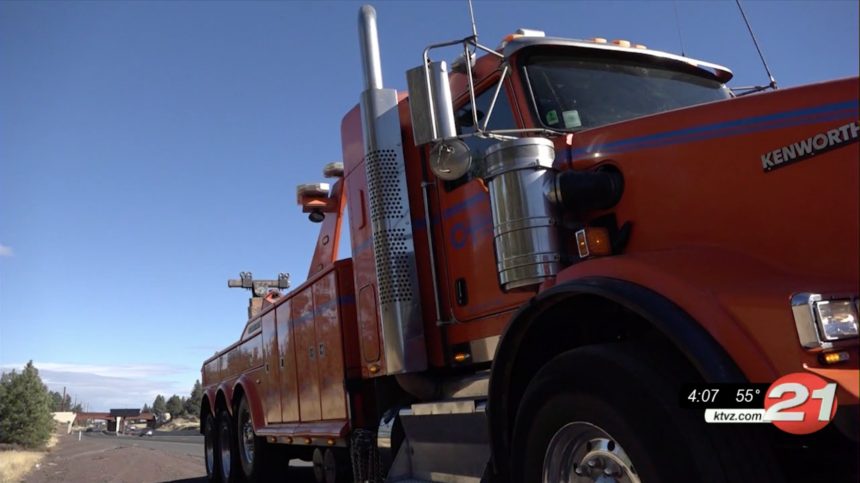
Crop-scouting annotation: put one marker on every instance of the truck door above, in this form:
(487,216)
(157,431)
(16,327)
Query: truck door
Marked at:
(467,222)
(306,355)
(271,395)
(287,364)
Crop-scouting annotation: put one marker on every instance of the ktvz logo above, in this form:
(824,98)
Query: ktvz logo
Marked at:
(800,403)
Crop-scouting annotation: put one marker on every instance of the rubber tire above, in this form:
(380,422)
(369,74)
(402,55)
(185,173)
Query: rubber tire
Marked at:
(337,466)
(227,435)
(210,432)
(259,469)
(318,466)
(624,389)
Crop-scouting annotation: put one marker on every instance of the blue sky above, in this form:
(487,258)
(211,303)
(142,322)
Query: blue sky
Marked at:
(149,151)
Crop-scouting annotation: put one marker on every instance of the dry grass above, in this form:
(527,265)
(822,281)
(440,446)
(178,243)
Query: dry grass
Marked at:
(15,465)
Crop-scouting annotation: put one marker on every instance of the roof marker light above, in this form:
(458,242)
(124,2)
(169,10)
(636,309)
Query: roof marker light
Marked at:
(531,33)
(621,43)
(520,33)
(597,40)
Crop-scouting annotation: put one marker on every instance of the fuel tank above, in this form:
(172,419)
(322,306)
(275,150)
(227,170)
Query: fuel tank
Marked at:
(773,175)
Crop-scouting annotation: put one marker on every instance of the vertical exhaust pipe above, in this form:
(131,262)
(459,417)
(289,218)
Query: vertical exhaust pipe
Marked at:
(397,291)
(368,40)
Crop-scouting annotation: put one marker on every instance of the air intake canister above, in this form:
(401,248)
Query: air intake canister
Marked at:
(518,173)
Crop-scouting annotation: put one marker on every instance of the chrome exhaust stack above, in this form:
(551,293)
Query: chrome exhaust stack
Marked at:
(398,299)
(368,40)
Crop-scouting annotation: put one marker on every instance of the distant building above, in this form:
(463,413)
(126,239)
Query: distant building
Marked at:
(117,419)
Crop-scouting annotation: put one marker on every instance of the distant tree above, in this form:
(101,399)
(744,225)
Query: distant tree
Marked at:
(77,409)
(146,409)
(174,406)
(25,408)
(192,404)
(159,407)
(56,401)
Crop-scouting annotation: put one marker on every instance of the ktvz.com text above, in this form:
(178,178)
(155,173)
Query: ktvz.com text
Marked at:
(735,416)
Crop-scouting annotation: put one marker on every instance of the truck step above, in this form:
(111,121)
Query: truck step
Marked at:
(445,442)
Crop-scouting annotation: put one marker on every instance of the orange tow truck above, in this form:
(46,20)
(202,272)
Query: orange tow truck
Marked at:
(549,238)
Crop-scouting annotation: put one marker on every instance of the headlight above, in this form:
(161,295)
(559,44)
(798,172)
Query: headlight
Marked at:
(838,319)
(822,320)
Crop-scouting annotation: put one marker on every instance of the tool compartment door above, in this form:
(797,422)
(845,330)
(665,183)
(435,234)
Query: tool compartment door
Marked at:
(271,393)
(329,347)
(289,387)
(306,355)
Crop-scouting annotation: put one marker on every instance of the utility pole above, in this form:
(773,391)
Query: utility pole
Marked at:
(259,288)
(63,404)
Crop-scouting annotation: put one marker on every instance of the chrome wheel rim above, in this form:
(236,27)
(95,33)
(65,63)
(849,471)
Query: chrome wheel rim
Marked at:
(247,439)
(210,449)
(582,452)
(224,443)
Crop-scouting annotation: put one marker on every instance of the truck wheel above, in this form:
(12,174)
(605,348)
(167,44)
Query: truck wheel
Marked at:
(254,452)
(319,466)
(210,443)
(610,413)
(226,448)
(337,466)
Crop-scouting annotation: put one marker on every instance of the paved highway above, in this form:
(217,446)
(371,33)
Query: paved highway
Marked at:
(169,443)
(179,442)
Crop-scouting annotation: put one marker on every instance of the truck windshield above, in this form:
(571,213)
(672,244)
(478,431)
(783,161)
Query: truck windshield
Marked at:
(572,94)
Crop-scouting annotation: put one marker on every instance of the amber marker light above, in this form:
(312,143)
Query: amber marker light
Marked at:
(331,442)
(374,369)
(833,357)
(307,440)
(460,357)
(289,440)
(593,242)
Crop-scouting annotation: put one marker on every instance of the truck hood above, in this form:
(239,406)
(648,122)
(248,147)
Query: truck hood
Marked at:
(774,175)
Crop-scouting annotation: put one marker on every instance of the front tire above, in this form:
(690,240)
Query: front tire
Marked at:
(611,411)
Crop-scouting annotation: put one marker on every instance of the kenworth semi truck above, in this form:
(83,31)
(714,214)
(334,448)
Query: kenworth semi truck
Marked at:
(549,238)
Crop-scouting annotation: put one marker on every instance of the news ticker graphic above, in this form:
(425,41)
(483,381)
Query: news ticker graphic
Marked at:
(800,403)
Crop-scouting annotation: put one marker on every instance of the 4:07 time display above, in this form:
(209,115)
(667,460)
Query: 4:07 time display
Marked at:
(722,396)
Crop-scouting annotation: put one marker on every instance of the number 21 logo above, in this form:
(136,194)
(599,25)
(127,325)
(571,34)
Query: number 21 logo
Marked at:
(800,403)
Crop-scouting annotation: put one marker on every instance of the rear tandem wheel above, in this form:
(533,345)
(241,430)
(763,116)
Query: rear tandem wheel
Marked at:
(210,453)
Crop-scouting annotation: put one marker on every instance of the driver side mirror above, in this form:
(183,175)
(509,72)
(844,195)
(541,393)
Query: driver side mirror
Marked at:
(431,107)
